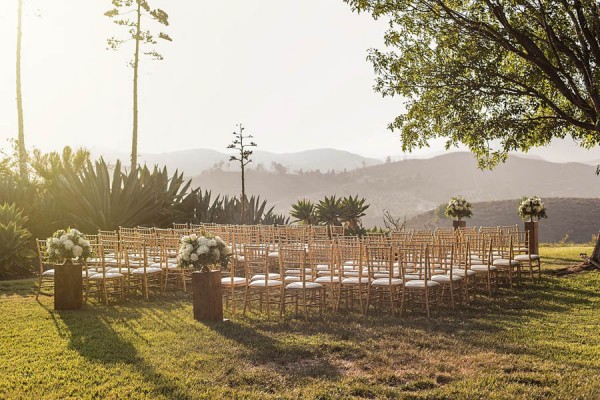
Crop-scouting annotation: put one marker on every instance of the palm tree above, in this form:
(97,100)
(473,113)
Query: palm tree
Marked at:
(329,210)
(21,138)
(353,209)
(304,212)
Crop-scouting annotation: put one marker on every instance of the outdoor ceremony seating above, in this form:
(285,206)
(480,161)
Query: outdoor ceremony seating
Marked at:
(299,268)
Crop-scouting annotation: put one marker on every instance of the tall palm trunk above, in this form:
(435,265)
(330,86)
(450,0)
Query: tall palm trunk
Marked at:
(134,138)
(21,138)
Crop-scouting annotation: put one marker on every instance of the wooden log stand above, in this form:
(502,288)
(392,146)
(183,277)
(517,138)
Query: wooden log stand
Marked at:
(68,287)
(208,300)
(459,224)
(533,228)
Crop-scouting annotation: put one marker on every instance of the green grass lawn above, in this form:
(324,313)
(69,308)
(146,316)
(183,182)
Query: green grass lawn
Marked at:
(536,341)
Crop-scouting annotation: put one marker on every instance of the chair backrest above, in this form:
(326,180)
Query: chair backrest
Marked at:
(379,260)
(180,226)
(294,257)
(256,260)
(44,258)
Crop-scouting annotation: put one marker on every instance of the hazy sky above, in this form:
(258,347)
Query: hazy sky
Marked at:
(293,72)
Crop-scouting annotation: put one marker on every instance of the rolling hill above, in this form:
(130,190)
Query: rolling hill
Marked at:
(412,187)
(576,217)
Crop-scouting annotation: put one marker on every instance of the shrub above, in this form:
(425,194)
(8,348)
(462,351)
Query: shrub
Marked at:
(15,253)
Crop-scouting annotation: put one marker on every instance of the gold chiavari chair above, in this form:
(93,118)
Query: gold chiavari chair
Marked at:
(336,231)
(423,290)
(46,270)
(181,226)
(263,285)
(322,260)
(532,261)
(385,281)
(102,282)
(123,231)
(302,292)
(486,274)
(178,276)
(140,275)
(232,285)
(508,268)
(444,261)
(354,280)
(319,232)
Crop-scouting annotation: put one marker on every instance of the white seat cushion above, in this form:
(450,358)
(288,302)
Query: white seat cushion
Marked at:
(386,282)
(355,280)
(233,281)
(274,254)
(462,272)
(503,262)
(262,283)
(307,285)
(296,271)
(291,278)
(108,275)
(445,278)
(482,268)
(261,277)
(323,267)
(140,271)
(49,272)
(420,283)
(411,277)
(526,257)
(328,279)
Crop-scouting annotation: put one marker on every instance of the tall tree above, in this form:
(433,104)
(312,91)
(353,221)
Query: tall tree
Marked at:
(141,37)
(243,157)
(21,137)
(495,75)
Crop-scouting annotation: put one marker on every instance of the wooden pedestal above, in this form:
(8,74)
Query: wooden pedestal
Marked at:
(68,287)
(533,228)
(459,224)
(208,300)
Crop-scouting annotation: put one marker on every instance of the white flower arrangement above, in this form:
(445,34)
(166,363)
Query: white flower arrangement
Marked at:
(531,207)
(68,245)
(459,208)
(201,251)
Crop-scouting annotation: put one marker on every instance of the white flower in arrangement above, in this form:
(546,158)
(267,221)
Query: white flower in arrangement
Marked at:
(532,207)
(202,251)
(459,208)
(77,251)
(65,246)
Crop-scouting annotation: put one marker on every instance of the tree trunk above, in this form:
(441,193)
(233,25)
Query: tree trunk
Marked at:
(596,253)
(21,138)
(134,138)
(243,190)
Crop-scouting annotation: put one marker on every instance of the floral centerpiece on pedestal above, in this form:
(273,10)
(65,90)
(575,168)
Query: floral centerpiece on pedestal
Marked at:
(202,251)
(532,207)
(68,245)
(459,208)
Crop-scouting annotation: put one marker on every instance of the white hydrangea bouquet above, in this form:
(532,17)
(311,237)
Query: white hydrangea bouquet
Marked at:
(531,207)
(459,208)
(201,251)
(68,245)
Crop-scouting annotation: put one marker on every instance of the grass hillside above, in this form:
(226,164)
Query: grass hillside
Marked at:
(576,217)
(412,187)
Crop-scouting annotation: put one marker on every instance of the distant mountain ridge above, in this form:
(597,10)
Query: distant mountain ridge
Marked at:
(195,161)
(410,187)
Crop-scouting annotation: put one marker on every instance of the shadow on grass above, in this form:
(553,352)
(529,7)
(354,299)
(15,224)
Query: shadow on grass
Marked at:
(19,287)
(288,356)
(90,333)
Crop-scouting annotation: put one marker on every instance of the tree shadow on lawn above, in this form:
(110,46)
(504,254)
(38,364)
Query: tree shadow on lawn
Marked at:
(295,359)
(90,333)
(18,287)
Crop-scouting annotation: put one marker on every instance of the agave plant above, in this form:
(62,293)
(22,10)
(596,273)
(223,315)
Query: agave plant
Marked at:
(353,209)
(304,212)
(92,199)
(329,211)
(15,251)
